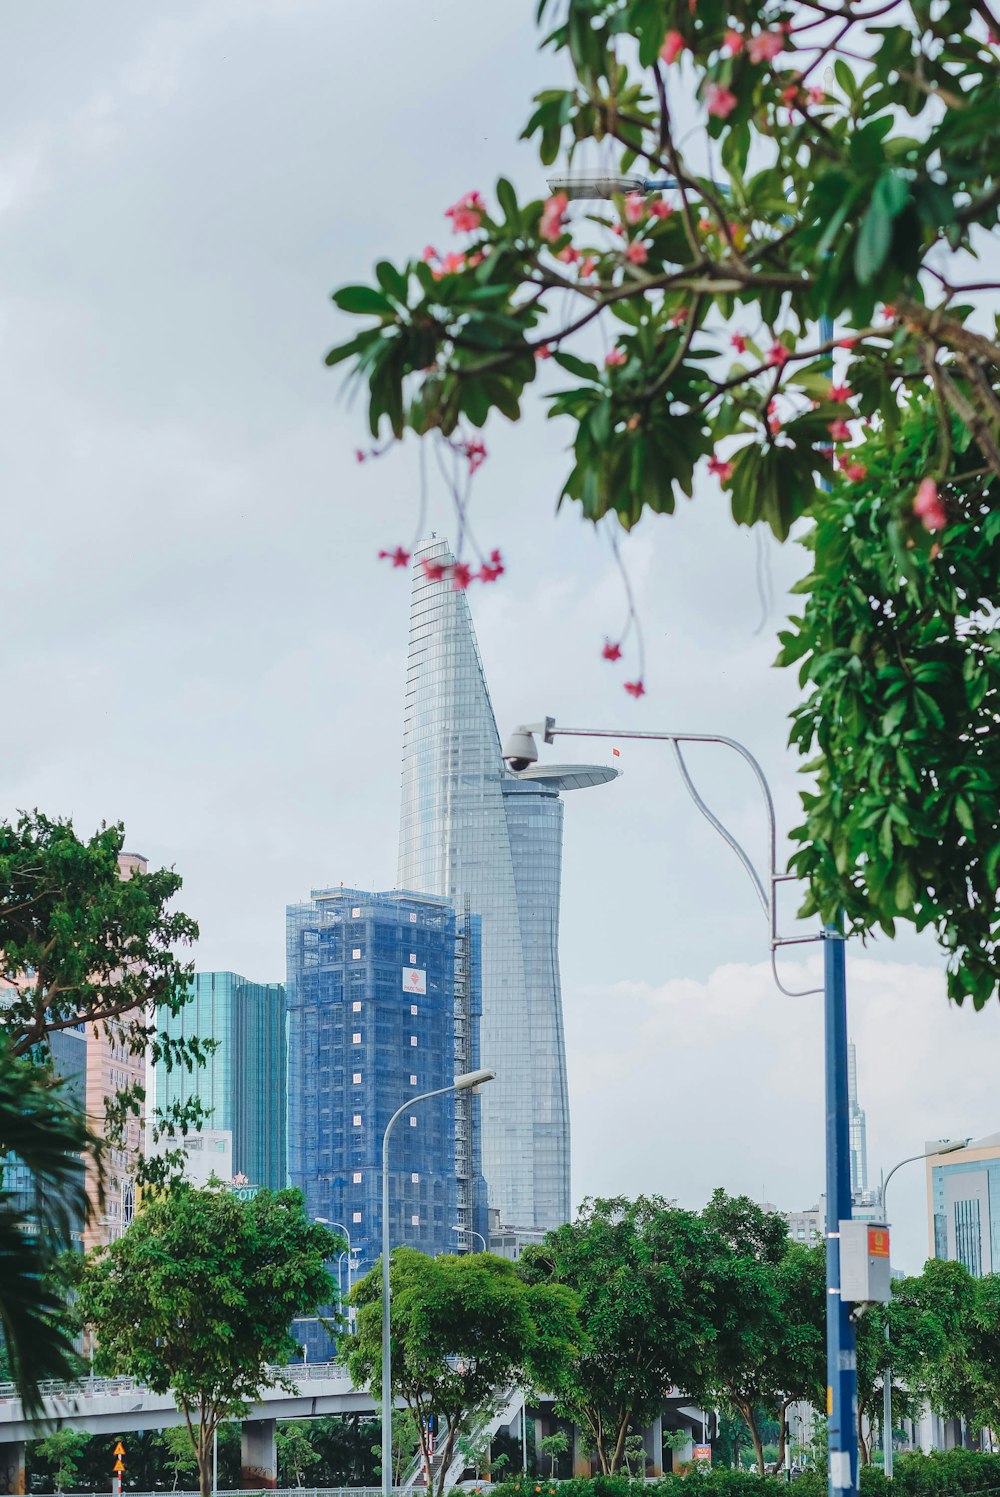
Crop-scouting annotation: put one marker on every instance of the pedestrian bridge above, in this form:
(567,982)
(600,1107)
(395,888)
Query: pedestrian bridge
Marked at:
(117,1405)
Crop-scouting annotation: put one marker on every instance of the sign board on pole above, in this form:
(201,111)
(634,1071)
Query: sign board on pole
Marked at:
(702,1453)
(119,1448)
(864,1262)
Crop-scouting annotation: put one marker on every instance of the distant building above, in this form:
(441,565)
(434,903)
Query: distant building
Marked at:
(471,830)
(963,1194)
(68,1049)
(857,1128)
(208,1155)
(242,1083)
(384,1001)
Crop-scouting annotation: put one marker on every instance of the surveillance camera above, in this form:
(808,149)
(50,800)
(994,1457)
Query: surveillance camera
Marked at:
(520,750)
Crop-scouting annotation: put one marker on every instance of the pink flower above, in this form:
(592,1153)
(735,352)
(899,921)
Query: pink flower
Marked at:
(637,253)
(466,214)
(434,571)
(777,355)
(766,45)
(475,451)
(889,312)
(817,95)
(543,351)
(492,569)
(679,317)
(635,208)
(846,342)
(635,689)
(359,456)
(659,209)
(789,95)
(928,507)
(429,254)
(398,557)
(471,261)
(461,576)
(611,651)
(855,471)
(722,470)
(588,265)
(550,225)
(673,46)
(569,255)
(840,394)
(721,101)
(733,42)
(739,342)
(839,430)
(450,265)
(615,358)
(774,425)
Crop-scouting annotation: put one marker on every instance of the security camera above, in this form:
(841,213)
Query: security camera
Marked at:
(520,750)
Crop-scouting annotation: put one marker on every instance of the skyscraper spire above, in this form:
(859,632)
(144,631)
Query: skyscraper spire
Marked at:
(470,829)
(858,1127)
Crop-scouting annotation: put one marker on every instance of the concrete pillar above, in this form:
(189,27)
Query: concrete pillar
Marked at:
(652,1444)
(12,1467)
(258,1457)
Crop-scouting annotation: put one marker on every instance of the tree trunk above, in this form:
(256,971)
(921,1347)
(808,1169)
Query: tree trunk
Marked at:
(204,1461)
(446,1457)
(616,1458)
(750,1419)
(782,1428)
(864,1454)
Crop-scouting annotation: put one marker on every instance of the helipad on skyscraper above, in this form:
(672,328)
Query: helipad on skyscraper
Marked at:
(484,836)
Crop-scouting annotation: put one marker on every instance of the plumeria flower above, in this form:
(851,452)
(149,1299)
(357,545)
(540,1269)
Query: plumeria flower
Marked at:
(889,313)
(722,470)
(659,209)
(766,45)
(475,451)
(739,342)
(839,430)
(434,571)
(840,394)
(636,253)
(635,208)
(855,471)
(615,358)
(398,557)
(777,355)
(846,342)
(429,254)
(928,506)
(611,651)
(466,214)
(673,46)
(733,42)
(551,223)
(461,576)
(774,425)
(635,689)
(543,351)
(721,101)
(588,265)
(492,569)
(817,95)
(569,255)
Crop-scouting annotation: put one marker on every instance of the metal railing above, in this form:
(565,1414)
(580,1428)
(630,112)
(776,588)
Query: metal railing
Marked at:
(297,1372)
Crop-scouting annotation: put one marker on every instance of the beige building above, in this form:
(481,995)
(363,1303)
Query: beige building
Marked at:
(963,1203)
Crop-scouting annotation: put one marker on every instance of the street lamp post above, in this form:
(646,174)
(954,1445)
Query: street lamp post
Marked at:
(466,1082)
(471,1232)
(946,1146)
(521,751)
(324,1222)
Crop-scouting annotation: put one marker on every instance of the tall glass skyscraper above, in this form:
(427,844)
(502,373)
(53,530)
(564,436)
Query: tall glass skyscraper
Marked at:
(473,831)
(242,1083)
(857,1126)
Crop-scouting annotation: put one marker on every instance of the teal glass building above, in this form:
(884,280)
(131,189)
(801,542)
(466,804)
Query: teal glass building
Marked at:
(242,1084)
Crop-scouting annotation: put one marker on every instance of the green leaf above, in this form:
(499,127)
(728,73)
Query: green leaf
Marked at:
(392,281)
(362,299)
(872,244)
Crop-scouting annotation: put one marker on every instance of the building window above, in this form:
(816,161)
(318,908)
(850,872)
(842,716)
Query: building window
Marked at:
(355,1039)
(356,1217)
(968,1236)
(413,1039)
(356,1177)
(357,1120)
(415,1178)
(414,1221)
(356,954)
(414,1009)
(356,1006)
(413,1121)
(356,1078)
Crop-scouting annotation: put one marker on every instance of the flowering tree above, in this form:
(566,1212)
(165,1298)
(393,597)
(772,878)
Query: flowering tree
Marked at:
(844,165)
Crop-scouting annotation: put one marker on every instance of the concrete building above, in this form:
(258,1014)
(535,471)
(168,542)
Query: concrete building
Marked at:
(384,1004)
(242,1083)
(963,1204)
(472,831)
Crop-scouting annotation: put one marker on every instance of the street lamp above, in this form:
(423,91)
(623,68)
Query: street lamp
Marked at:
(466,1082)
(520,751)
(471,1232)
(946,1146)
(324,1222)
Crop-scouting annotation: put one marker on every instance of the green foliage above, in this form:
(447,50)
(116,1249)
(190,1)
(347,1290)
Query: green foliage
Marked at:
(554,1446)
(464,1328)
(82,945)
(862,199)
(46,1134)
(198,1295)
(405,1440)
(63,1449)
(295,1451)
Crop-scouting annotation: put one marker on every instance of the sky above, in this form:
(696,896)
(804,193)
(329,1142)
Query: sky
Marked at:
(203,644)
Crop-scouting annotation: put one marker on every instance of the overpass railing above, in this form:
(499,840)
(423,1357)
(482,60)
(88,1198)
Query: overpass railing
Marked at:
(298,1372)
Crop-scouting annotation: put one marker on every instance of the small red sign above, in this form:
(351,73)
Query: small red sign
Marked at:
(878,1242)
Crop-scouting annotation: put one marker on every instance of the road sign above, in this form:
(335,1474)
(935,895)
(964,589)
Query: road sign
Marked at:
(119,1465)
(119,1448)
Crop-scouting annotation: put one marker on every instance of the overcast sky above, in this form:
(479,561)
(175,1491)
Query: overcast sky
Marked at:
(202,643)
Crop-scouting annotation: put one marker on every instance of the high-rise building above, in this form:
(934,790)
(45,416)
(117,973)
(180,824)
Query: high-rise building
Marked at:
(383,1005)
(473,831)
(68,1051)
(963,1196)
(857,1127)
(242,1083)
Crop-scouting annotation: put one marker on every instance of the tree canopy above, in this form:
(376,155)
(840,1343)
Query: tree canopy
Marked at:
(197,1298)
(464,1329)
(816,161)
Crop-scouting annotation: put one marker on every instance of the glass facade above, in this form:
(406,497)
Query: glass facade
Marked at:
(965,1205)
(474,832)
(384,1001)
(242,1083)
(68,1051)
(858,1127)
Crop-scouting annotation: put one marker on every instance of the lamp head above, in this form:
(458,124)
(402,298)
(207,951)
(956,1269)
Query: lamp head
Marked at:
(470,1079)
(595,184)
(520,750)
(952,1145)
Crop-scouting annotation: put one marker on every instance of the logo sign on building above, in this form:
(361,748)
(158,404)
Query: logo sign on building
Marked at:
(414,980)
(245,1192)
